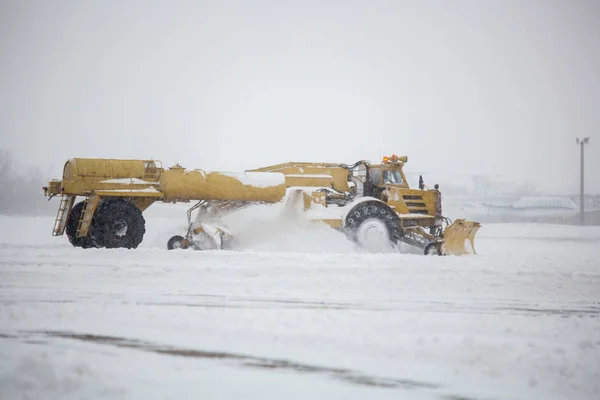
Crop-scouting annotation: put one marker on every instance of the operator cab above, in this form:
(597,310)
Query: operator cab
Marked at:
(389,172)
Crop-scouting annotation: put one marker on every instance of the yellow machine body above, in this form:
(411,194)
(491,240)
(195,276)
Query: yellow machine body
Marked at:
(83,176)
(180,185)
(311,174)
(328,188)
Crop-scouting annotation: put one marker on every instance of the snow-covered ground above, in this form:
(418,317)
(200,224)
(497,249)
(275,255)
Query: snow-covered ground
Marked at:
(298,313)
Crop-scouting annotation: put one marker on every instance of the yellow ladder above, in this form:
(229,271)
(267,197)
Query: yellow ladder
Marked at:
(66,203)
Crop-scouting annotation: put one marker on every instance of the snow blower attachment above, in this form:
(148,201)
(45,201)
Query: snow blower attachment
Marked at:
(371,204)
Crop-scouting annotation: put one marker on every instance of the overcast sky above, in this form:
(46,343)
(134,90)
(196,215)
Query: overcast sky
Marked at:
(461,87)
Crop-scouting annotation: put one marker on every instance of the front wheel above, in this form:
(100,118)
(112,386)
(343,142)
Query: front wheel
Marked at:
(433,249)
(373,225)
(177,242)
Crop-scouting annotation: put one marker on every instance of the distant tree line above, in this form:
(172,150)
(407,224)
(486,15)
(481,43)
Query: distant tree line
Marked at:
(21,188)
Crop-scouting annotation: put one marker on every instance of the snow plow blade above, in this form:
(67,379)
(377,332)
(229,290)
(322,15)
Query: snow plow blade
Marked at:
(457,235)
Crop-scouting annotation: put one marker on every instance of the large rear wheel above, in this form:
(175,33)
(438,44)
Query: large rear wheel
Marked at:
(118,224)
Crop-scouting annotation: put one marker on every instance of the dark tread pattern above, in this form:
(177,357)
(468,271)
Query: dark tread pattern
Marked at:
(110,211)
(373,209)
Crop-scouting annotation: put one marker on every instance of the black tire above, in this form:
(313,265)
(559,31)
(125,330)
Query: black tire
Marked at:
(176,242)
(433,249)
(118,224)
(367,210)
(71,228)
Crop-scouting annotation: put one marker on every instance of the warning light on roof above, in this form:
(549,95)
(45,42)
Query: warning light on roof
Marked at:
(394,158)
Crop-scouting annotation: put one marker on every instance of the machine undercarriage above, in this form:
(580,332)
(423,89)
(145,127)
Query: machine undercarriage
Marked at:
(370,226)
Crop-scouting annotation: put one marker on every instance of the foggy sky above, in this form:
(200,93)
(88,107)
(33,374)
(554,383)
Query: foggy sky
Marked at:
(461,87)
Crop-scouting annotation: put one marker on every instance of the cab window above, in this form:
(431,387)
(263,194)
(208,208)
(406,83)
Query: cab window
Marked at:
(392,177)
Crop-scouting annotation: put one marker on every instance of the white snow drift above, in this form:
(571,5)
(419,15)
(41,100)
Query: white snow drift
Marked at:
(298,312)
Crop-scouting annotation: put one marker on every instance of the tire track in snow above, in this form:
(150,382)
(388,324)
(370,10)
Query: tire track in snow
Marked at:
(244,360)
(577,309)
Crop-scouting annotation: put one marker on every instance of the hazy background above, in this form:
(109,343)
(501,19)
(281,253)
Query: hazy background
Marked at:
(461,87)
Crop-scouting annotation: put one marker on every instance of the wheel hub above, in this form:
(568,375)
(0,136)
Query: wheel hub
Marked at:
(373,234)
(119,228)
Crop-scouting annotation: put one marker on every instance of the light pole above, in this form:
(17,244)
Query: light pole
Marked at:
(582,142)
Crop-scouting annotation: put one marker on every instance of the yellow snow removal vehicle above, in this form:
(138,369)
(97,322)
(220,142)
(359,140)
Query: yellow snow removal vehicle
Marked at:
(369,203)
